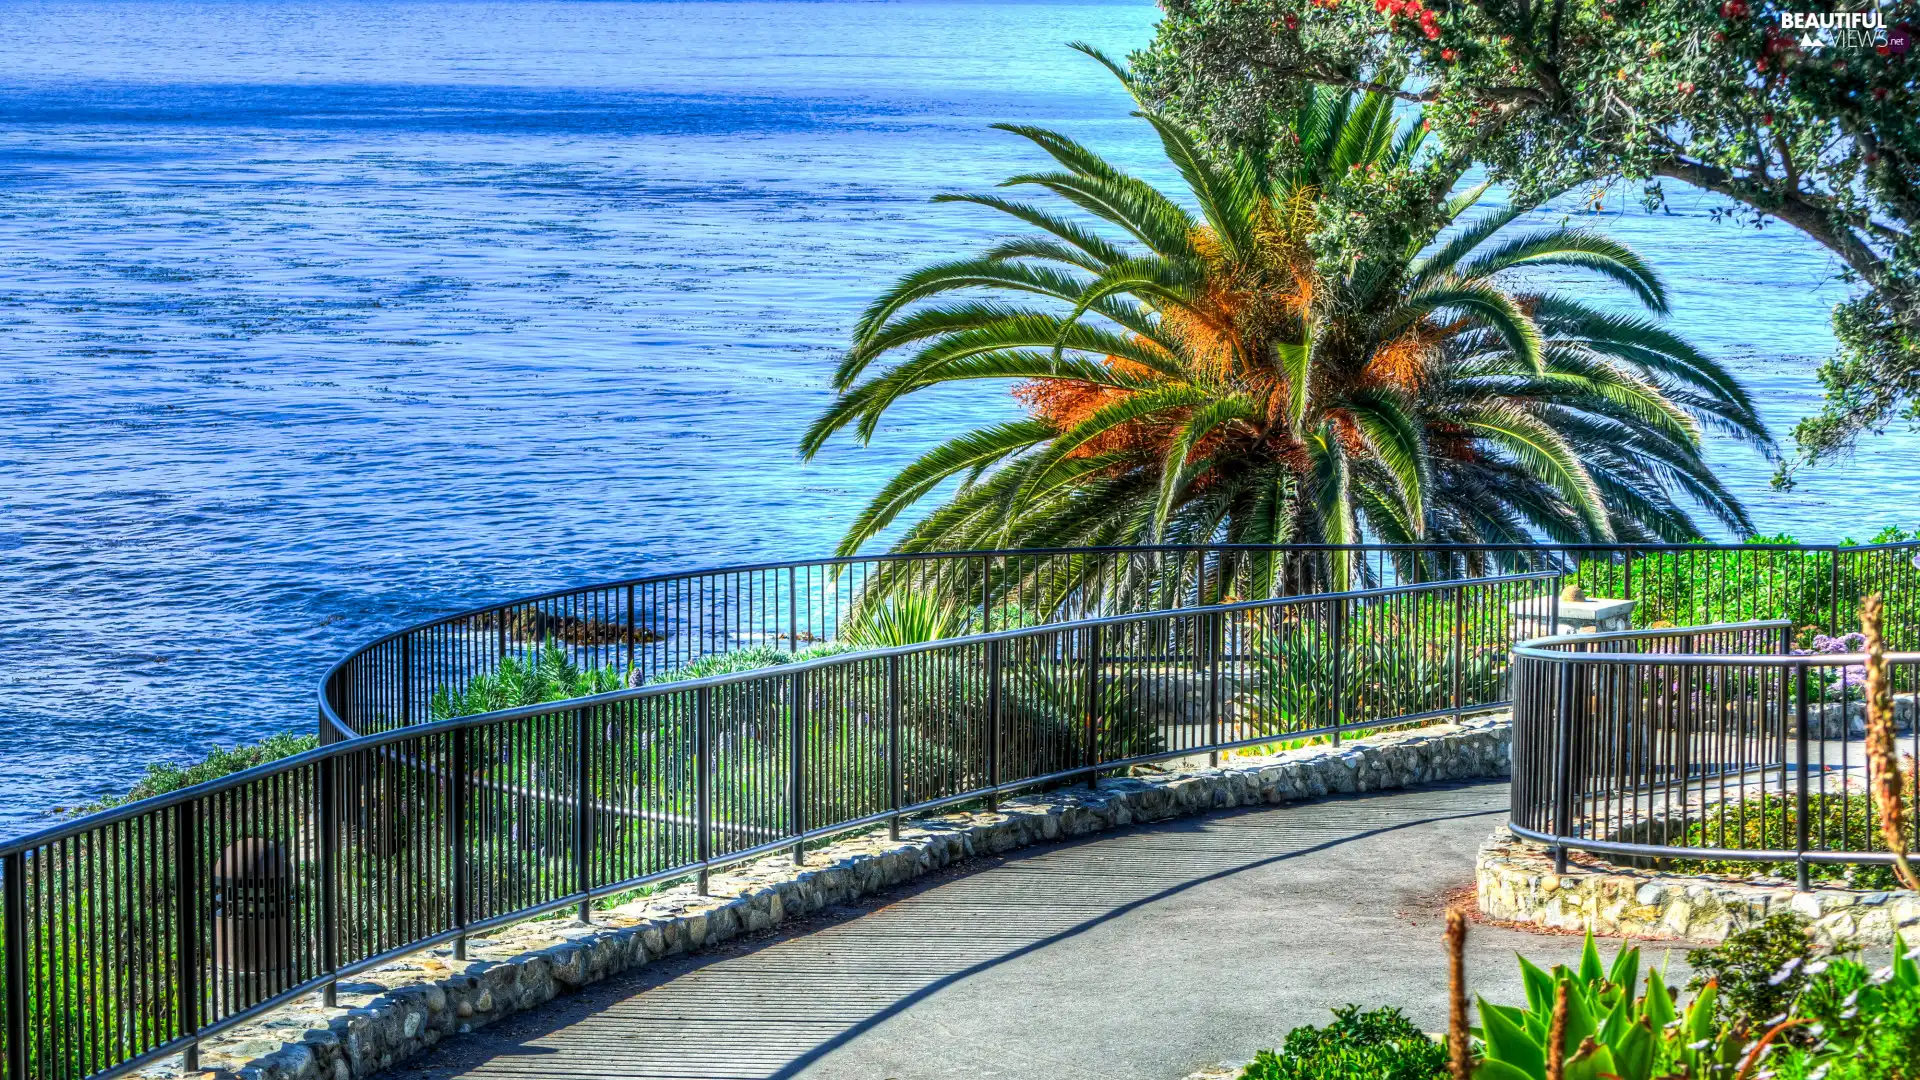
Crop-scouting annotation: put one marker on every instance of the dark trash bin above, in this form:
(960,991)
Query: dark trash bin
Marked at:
(252,892)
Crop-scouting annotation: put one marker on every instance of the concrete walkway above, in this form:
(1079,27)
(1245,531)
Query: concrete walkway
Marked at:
(1141,954)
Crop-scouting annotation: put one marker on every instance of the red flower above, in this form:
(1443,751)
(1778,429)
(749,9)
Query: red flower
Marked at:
(1766,120)
(1734,9)
(1686,88)
(1448,55)
(1293,23)
(1432,31)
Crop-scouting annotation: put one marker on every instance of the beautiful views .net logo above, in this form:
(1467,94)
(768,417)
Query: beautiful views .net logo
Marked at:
(1846,30)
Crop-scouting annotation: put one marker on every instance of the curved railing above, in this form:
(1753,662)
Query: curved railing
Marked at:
(1712,748)
(131,934)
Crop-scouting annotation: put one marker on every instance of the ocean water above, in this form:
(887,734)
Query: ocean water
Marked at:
(321,318)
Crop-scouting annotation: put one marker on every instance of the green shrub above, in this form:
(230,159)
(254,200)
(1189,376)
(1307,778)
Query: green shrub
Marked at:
(1377,1045)
(1759,970)
(1771,823)
(549,674)
(1861,1024)
(220,761)
(751,658)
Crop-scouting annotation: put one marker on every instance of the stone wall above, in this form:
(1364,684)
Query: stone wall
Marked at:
(1516,882)
(392,1013)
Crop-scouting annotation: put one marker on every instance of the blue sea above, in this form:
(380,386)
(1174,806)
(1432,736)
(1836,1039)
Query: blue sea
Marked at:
(317,318)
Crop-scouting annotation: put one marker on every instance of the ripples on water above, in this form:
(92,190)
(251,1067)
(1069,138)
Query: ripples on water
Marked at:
(321,318)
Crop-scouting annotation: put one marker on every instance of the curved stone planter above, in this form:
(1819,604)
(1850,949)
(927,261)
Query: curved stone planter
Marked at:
(1516,882)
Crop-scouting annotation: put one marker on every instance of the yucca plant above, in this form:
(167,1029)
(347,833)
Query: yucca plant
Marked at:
(1218,367)
(1604,1030)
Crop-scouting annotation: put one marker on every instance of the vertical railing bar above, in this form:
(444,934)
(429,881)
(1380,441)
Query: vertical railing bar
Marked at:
(15,913)
(1563,765)
(994,725)
(329,873)
(459,797)
(1216,634)
(1801,872)
(893,744)
(797,753)
(703,791)
(187,915)
(1092,749)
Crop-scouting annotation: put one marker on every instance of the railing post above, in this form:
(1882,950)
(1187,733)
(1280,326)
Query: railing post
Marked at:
(1563,770)
(703,792)
(1216,643)
(994,747)
(582,816)
(793,611)
(1800,871)
(1093,707)
(893,745)
(1339,667)
(633,634)
(329,778)
(16,939)
(797,753)
(1460,652)
(186,830)
(458,798)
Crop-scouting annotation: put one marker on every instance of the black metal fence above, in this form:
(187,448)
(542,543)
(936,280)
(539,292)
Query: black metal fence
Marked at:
(131,934)
(1706,749)
(645,627)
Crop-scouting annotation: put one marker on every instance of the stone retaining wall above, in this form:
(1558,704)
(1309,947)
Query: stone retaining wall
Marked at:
(1516,882)
(388,1015)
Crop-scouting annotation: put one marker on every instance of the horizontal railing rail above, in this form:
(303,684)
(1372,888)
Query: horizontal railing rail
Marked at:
(1722,748)
(134,933)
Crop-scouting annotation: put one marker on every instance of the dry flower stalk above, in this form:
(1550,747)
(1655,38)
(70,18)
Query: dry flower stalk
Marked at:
(1458,1047)
(1557,1034)
(1882,759)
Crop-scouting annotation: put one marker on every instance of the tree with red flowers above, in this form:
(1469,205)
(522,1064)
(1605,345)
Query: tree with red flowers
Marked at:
(1555,94)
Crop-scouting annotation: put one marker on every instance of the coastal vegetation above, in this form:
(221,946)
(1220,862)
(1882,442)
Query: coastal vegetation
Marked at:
(1765,1003)
(1550,97)
(1278,368)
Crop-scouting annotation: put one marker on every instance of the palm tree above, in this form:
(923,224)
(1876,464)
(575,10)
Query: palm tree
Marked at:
(1228,376)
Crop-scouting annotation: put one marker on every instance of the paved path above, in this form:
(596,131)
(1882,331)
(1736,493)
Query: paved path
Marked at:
(1141,954)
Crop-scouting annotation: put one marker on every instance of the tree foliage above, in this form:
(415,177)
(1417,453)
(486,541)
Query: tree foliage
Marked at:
(1552,94)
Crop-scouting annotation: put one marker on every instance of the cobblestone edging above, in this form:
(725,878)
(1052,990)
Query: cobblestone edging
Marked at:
(390,1014)
(1516,882)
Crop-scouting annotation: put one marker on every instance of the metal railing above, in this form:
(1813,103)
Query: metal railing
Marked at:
(644,627)
(131,934)
(1711,748)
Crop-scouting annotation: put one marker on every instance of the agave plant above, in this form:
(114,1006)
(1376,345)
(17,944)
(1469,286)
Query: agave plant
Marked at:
(1214,367)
